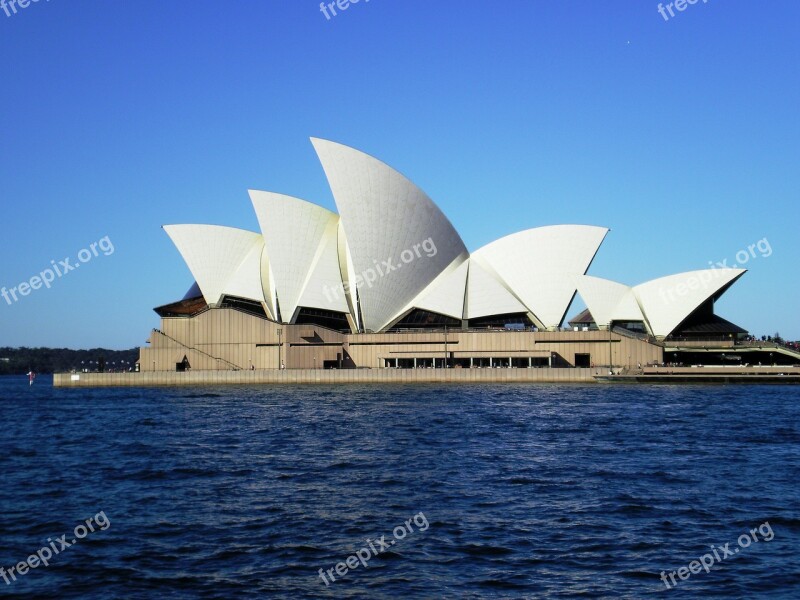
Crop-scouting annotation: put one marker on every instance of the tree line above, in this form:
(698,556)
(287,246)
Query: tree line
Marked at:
(16,361)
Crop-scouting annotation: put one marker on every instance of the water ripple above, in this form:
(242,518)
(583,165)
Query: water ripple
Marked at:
(528,491)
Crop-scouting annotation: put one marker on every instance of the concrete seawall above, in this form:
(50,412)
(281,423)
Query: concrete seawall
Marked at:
(779,375)
(330,376)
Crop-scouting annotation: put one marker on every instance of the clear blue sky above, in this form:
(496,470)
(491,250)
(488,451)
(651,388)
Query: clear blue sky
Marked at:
(117,117)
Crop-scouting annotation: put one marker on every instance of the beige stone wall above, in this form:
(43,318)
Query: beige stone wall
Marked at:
(370,349)
(732,370)
(322,376)
(228,339)
(218,339)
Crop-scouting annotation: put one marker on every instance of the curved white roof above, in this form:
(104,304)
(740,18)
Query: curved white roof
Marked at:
(268,285)
(608,300)
(347,270)
(487,295)
(447,292)
(223,260)
(667,301)
(324,288)
(386,217)
(245,281)
(535,264)
(392,250)
(301,241)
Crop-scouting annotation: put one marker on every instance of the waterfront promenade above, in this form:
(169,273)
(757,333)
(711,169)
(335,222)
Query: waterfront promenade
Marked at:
(339,376)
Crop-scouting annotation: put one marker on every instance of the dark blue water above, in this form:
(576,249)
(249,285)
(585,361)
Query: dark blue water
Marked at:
(519,491)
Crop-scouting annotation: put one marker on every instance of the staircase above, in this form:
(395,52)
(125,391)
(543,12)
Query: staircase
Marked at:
(217,358)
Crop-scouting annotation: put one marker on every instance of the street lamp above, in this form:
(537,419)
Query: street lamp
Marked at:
(280,344)
(445,346)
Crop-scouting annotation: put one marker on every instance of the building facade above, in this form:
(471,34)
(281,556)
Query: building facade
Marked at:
(388,283)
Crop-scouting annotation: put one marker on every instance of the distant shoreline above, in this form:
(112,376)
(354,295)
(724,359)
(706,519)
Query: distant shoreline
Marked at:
(18,361)
(782,375)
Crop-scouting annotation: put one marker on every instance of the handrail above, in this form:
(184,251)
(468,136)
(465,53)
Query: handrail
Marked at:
(637,336)
(169,337)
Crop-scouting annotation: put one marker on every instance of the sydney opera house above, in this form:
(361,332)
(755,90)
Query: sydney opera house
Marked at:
(388,283)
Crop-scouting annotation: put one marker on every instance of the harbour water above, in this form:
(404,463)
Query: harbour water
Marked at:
(487,491)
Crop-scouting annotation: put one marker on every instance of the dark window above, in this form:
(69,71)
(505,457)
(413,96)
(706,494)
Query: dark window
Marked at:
(324,318)
(635,326)
(500,321)
(249,306)
(423,319)
(583,360)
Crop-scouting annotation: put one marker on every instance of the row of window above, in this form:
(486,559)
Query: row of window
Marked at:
(487,362)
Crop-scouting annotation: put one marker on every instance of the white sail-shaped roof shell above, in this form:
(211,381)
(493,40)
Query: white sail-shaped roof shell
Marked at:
(268,285)
(487,295)
(245,282)
(445,295)
(324,288)
(667,301)
(608,300)
(539,265)
(301,241)
(347,270)
(392,250)
(386,217)
(223,260)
